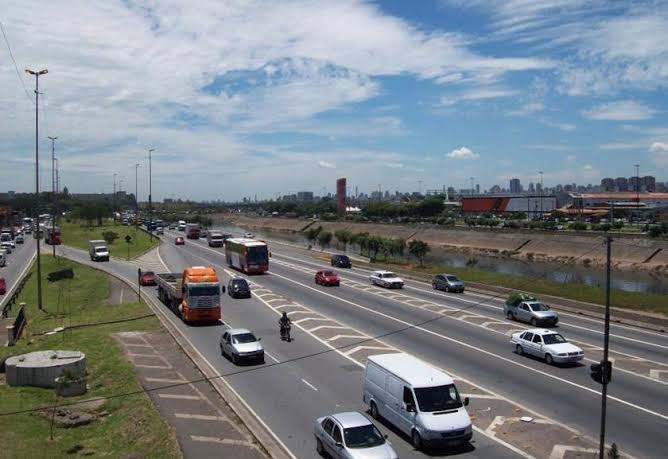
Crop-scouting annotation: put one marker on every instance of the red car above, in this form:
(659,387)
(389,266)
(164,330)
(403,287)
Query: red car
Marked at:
(179,241)
(147,278)
(327,277)
(3,286)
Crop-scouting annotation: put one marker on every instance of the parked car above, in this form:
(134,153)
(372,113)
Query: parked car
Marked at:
(447,283)
(386,279)
(159,230)
(327,277)
(240,344)
(19,239)
(7,246)
(546,344)
(147,278)
(341,261)
(179,241)
(526,308)
(3,286)
(238,288)
(350,435)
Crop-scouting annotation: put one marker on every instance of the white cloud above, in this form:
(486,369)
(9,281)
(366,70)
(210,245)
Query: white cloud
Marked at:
(623,110)
(463,153)
(528,109)
(659,151)
(394,165)
(477,94)
(326,164)
(558,125)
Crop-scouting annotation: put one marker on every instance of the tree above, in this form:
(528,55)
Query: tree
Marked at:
(324,238)
(312,234)
(419,250)
(343,236)
(110,236)
(374,244)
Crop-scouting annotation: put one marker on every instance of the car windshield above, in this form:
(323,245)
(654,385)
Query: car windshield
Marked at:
(100,249)
(452,278)
(203,290)
(366,436)
(537,307)
(553,338)
(244,338)
(239,283)
(149,273)
(258,255)
(388,275)
(438,398)
(328,273)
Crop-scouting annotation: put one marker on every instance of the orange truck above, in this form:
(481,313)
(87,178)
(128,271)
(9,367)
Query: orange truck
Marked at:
(193,295)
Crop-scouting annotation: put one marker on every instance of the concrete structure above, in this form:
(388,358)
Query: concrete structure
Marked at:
(531,204)
(341,195)
(41,368)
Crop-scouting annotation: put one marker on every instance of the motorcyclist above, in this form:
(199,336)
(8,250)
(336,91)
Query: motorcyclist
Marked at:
(284,323)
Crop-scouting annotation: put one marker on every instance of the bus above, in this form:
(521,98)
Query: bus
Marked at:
(53,236)
(247,255)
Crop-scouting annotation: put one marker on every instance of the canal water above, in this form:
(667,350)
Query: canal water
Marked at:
(623,280)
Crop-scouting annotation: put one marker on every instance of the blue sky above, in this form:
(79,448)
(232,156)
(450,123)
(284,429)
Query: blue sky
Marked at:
(268,98)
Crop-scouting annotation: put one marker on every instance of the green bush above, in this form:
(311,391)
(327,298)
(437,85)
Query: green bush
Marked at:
(578,226)
(110,236)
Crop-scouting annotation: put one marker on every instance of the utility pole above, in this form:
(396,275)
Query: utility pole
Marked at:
(53,190)
(39,261)
(114,197)
(150,192)
(637,166)
(605,366)
(541,193)
(136,189)
(57,177)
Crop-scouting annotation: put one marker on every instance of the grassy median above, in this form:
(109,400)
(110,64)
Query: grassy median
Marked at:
(78,233)
(131,425)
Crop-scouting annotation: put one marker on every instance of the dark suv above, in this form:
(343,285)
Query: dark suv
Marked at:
(238,288)
(341,261)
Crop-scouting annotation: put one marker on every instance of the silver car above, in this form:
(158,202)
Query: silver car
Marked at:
(532,312)
(240,344)
(350,436)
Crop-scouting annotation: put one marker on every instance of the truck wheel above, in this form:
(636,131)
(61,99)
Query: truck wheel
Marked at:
(416,440)
(374,411)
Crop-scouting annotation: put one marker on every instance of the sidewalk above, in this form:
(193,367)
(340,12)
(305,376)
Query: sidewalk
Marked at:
(205,425)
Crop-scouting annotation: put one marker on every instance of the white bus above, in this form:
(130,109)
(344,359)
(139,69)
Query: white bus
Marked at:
(247,255)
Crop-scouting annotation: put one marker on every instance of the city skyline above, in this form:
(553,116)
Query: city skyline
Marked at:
(436,94)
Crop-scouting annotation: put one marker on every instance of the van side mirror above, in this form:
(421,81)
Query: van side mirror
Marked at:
(466,401)
(339,444)
(410,408)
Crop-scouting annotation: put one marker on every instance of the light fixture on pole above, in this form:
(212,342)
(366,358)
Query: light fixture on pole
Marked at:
(36,211)
(150,194)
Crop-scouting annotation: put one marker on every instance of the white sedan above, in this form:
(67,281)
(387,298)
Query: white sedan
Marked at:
(547,345)
(386,279)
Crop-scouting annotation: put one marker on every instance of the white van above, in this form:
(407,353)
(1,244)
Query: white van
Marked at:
(417,398)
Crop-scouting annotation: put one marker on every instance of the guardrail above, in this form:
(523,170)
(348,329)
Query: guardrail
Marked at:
(14,330)
(15,295)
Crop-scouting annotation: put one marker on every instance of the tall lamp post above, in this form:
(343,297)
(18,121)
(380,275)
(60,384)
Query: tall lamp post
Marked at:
(39,261)
(136,189)
(150,193)
(53,189)
(637,166)
(541,193)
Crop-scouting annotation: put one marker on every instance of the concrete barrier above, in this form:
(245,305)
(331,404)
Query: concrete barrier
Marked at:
(41,368)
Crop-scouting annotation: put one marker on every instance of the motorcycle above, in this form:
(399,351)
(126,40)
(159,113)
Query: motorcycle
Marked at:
(285,332)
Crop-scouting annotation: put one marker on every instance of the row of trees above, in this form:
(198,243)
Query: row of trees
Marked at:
(371,245)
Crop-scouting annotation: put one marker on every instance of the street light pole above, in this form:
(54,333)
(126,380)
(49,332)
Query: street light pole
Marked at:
(136,189)
(541,193)
(53,189)
(57,177)
(150,192)
(39,261)
(637,166)
(114,197)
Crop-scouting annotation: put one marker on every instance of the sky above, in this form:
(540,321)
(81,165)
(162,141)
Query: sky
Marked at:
(244,98)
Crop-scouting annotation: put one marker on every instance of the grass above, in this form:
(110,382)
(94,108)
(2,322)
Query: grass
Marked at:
(574,291)
(77,234)
(133,426)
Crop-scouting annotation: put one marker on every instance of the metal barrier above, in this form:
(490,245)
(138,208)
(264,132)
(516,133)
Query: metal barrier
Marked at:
(14,330)
(15,295)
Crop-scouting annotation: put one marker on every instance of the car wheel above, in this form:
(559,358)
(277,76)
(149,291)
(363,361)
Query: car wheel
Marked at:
(374,411)
(548,359)
(534,323)
(519,350)
(235,359)
(433,285)
(416,440)
(509,315)
(319,448)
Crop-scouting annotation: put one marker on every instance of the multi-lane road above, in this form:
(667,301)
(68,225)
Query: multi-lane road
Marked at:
(320,372)
(18,262)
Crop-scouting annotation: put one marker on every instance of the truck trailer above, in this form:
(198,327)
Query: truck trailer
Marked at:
(192,231)
(194,295)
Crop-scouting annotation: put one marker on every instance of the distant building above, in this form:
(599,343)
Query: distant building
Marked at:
(608,184)
(305,196)
(622,184)
(531,189)
(341,195)
(649,182)
(515,185)
(532,205)
(495,189)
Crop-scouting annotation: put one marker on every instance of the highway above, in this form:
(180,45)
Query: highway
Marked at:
(18,263)
(466,335)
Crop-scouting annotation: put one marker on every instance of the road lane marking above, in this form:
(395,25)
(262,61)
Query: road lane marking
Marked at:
(338,337)
(180,397)
(271,356)
(320,327)
(223,441)
(485,352)
(309,385)
(167,381)
(201,417)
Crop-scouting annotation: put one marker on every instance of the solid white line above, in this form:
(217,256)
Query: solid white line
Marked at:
(271,356)
(309,385)
(488,353)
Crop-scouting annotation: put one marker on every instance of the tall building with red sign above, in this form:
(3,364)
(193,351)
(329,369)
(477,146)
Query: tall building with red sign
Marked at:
(341,195)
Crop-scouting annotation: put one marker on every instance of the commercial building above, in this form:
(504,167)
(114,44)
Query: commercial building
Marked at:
(531,204)
(341,195)
(305,196)
(621,184)
(608,184)
(620,200)
(515,185)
